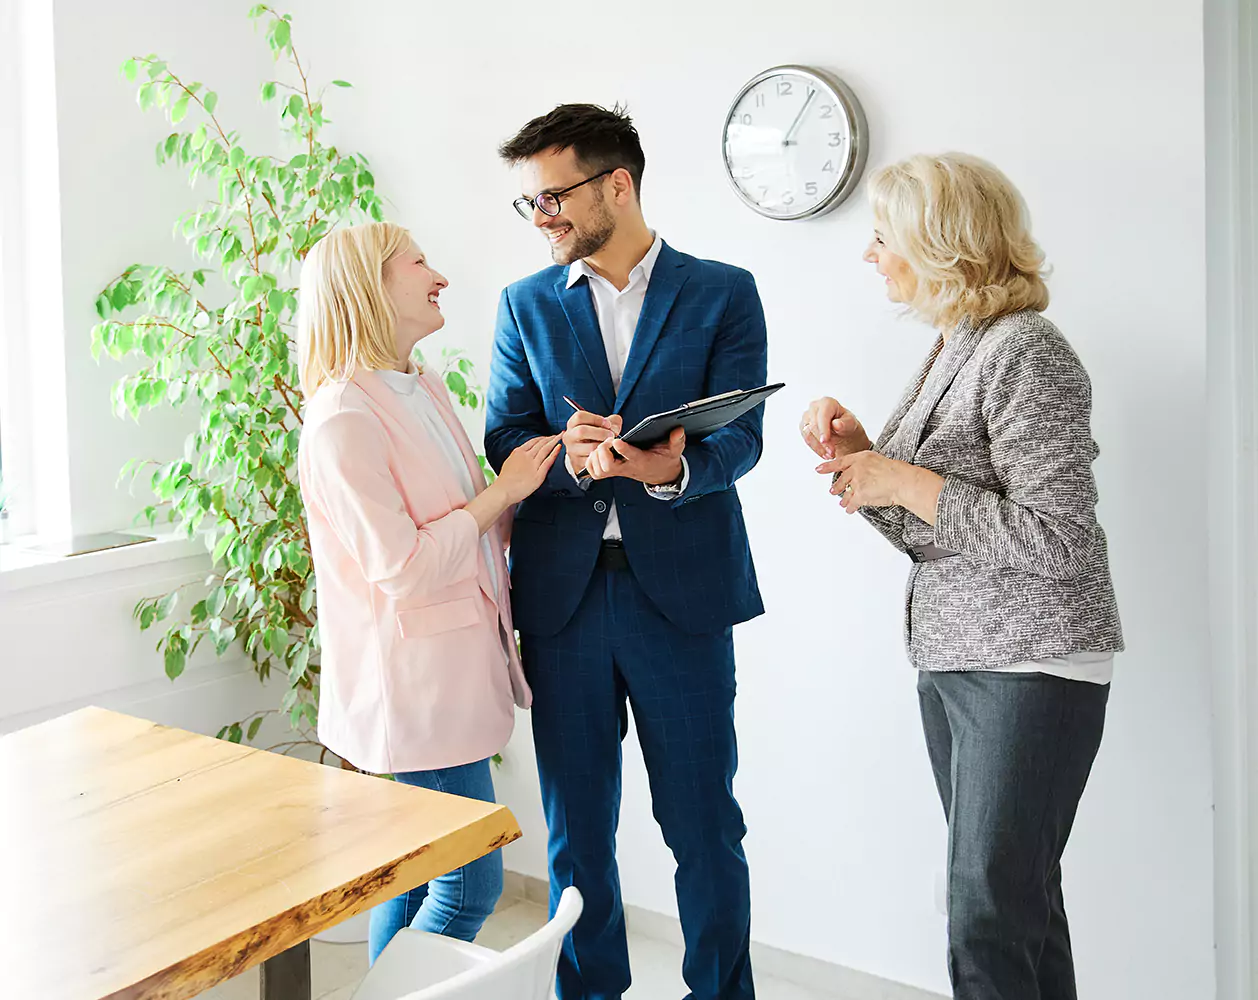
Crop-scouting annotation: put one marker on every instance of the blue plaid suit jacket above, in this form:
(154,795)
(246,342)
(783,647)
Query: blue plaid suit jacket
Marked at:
(701,332)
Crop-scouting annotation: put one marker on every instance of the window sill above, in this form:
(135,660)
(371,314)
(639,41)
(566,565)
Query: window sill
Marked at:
(21,568)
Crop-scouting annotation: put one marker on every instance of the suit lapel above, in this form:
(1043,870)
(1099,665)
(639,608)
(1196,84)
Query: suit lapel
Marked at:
(436,465)
(578,306)
(433,385)
(889,429)
(667,279)
(903,441)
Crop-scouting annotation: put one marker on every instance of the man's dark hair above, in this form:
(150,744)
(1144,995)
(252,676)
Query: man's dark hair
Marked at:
(601,139)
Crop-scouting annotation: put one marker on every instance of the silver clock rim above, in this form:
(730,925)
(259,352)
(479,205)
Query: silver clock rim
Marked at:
(858,128)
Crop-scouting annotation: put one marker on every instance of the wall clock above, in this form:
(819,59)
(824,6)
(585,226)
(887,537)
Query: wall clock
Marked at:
(795,142)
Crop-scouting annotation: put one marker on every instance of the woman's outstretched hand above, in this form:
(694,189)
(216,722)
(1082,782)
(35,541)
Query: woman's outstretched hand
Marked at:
(522,473)
(525,468)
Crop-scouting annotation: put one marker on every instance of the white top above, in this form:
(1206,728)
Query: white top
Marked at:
(618,311)
(424,408)
(1095,668)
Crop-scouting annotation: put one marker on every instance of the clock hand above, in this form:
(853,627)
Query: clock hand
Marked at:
(790,132)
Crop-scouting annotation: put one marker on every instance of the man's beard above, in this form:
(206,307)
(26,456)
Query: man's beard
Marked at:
(586,242)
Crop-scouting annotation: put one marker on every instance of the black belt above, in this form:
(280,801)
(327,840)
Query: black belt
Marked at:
(928,553)
(611,555)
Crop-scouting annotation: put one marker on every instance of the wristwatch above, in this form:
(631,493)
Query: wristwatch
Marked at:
(666,490)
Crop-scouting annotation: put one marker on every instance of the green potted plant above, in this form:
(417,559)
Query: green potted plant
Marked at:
(217,340)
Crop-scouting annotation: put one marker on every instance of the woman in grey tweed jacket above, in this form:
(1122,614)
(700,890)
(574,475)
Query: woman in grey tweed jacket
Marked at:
(983,478)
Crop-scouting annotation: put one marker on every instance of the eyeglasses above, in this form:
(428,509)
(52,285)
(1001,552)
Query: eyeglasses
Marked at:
(548,202)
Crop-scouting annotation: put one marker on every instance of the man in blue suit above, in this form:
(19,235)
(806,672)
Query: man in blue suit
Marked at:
(626,584)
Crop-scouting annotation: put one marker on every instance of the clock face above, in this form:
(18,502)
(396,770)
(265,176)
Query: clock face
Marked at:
(795,143)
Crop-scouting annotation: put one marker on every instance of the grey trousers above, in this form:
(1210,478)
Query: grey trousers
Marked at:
(1011,754)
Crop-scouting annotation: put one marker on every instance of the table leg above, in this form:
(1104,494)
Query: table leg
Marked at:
(287,975)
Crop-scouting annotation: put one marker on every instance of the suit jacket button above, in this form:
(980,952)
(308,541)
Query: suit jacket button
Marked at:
(600,506)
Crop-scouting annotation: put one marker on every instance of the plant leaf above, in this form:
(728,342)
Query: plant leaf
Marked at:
(216,601)
(176,659)
(166,605)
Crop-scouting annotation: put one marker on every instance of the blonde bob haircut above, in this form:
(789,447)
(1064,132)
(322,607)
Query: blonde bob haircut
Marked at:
(963,228)
(345,320)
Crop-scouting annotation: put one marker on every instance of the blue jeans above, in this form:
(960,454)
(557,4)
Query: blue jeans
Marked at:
(456,904)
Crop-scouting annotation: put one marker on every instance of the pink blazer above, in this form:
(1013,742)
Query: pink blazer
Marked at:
(413,673)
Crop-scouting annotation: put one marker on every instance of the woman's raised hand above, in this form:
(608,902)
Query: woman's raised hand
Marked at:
(525,468)
(831,430)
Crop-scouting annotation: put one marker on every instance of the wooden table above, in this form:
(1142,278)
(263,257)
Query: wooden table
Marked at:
(138,861)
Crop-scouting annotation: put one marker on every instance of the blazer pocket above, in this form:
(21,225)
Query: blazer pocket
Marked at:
(419,622)
(725,502)
(537,512)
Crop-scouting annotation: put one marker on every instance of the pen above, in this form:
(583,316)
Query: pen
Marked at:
(578,408)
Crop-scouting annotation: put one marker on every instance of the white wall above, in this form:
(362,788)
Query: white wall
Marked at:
(1231,49)
(1095,112)
(70,641)
(1097,115)
(118,207)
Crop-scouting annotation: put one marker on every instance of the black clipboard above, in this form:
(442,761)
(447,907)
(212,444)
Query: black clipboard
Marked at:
(699,418)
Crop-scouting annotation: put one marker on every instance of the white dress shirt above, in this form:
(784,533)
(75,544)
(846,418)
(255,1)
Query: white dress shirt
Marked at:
(1094,668)
(618,311)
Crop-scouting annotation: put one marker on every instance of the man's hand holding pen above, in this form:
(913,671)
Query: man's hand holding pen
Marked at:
(593,447)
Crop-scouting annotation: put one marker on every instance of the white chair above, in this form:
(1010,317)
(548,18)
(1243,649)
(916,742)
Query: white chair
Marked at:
(417,965)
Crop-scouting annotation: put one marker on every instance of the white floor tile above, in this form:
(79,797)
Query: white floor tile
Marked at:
(511,924)
(335,969)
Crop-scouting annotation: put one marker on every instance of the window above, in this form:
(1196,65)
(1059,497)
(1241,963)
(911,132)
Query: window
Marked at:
(33,439)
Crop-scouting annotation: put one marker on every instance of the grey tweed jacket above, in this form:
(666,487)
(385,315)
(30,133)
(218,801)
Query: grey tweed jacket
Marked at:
(1004,416)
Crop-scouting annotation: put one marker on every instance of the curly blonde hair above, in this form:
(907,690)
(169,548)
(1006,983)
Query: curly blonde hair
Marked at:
(345,320)
(964,230)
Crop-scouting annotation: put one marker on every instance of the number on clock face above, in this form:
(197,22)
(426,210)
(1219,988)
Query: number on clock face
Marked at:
(789,144)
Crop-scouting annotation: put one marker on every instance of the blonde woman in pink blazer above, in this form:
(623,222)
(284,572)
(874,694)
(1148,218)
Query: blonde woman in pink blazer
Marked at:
(419,672)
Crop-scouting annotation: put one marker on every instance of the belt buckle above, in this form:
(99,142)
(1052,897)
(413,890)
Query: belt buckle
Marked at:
(913,554)
(611,555)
